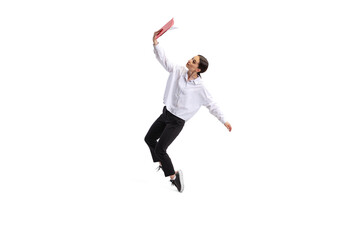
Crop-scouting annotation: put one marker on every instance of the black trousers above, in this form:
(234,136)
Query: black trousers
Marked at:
(166,128)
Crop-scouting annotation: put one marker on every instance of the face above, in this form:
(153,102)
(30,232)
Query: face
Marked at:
(193,64)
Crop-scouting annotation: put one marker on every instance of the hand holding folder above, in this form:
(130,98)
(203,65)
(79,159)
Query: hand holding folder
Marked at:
(165,28)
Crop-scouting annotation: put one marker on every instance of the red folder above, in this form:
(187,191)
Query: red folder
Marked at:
(165,28)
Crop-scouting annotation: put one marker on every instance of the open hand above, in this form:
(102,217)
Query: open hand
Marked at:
(228,126)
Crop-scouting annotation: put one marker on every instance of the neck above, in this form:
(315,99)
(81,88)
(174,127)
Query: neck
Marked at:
(192,75)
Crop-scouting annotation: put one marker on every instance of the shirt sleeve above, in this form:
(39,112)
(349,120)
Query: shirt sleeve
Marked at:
(213,107)
(160,55)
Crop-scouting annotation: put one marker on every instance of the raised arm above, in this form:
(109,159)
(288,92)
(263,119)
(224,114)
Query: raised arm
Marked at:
(160,55)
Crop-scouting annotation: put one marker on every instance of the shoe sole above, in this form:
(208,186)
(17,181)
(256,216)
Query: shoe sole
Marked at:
(181,181)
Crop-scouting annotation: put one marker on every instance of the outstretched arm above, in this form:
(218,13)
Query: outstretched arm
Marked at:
(215,110)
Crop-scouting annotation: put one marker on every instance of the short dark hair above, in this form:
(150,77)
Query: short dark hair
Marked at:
(203,64)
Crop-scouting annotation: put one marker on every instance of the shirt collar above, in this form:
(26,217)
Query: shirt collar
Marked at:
(196,81)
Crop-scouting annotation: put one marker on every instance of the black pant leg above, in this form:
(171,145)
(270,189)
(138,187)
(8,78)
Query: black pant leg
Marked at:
(154,134)
(173,127)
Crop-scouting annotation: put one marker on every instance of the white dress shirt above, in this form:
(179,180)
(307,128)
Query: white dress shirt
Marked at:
(183,98)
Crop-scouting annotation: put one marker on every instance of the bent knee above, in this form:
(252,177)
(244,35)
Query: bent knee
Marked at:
(148,140)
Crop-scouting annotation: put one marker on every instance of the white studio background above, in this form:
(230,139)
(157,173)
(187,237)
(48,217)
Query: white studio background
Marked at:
(80,87)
